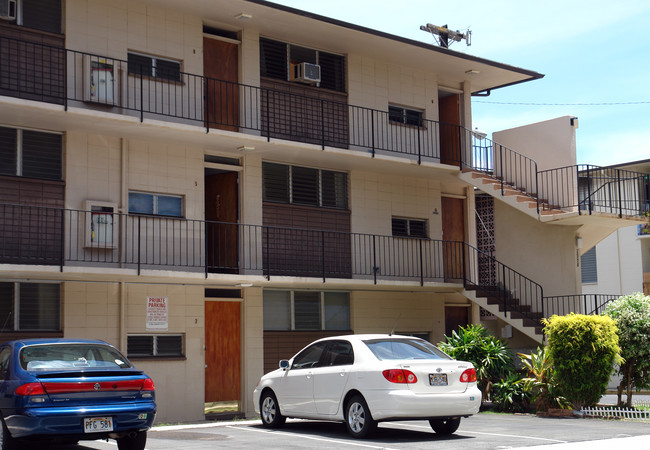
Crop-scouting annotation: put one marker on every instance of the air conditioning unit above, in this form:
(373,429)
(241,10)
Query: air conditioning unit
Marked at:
(306,73)
(101,80)
(8,9)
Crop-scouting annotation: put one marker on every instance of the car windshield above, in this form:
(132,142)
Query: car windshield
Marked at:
(404,348)
(58,356)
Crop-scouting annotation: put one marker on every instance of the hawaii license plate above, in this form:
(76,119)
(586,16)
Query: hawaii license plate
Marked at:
(98,424)
(438,379)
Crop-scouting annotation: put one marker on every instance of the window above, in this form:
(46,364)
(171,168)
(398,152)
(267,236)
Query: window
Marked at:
(416,228)
(155,204)
(30,306)
(277,57)
(154,345)
(406,116)
(589,267)
(306,310)
(31,154)
(304,186)
(44,15)
(151,66)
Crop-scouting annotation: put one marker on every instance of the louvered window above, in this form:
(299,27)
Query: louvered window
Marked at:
(304,186)
(155,204)
(275,57)
(405,116)
(415,228)
(139,345)
(306,310)
(151,66)
(28,153)
(30,306)
(43,15)
(589,267)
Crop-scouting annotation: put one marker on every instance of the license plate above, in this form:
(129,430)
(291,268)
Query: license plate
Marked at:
(98,424)
(438,379)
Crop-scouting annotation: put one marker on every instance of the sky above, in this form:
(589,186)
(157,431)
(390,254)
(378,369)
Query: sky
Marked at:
(595,56)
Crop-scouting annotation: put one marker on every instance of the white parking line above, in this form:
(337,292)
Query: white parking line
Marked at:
(494,434)
(302,436)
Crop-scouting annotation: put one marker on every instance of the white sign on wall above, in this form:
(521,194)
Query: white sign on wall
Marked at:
(157,313)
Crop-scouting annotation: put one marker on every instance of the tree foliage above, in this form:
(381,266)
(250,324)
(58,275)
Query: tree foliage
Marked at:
(491,357)
(632,316)
(584,350)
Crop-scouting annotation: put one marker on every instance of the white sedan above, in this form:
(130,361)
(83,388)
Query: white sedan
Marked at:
(365,379)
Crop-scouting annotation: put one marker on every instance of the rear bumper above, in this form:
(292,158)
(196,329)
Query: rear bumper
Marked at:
(397,404)
(61,421)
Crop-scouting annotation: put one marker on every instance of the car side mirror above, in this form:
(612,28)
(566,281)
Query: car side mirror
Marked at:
(284,364)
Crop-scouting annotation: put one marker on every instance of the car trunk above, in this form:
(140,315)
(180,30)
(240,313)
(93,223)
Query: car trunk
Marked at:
(437,377)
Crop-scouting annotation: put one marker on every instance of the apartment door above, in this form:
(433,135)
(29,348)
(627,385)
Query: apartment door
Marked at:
(455,317)
(450,133)
(221,215)
(223,354)
(453,235)
(221,69)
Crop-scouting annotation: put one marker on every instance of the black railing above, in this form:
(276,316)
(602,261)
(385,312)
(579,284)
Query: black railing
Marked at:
(562,305)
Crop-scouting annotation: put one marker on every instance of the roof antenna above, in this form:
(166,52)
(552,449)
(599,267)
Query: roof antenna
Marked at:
(443,35)
(392,331)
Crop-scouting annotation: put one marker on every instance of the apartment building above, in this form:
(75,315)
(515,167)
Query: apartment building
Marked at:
(210,185)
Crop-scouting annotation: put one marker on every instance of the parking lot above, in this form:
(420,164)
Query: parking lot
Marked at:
(484,431)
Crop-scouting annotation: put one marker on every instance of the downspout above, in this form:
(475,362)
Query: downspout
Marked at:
(121,209)
(122,327)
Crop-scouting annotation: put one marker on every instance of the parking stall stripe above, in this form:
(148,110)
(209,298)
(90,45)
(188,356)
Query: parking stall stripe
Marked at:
(496,434)
(294,435)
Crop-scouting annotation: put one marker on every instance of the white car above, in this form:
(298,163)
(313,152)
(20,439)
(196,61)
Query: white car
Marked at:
(365,379)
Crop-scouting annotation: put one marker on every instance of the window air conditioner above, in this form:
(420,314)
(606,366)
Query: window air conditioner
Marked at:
(306,73)
(8,9)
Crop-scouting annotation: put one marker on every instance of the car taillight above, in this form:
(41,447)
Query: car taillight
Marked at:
(148,385)
(468,376)
(400,376)
(30,389)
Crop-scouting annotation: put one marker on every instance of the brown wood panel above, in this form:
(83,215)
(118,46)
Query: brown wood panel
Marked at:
(453,229)
(221,68)
(449,116)
(455,317)
(222,205)
(284,344)
(222,351)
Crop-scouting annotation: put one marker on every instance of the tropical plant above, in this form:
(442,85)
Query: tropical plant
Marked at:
(540,381)
(491,357)
(632,316)
(584,350)
(510,395)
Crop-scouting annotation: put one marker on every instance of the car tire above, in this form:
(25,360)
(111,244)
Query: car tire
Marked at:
(6,441)
(133,443)
(270,411)
(445,427)
(358,418)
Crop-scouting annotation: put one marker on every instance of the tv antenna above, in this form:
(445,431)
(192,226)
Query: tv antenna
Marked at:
(443,35)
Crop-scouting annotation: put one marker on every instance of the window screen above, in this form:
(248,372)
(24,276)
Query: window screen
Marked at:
(589,267)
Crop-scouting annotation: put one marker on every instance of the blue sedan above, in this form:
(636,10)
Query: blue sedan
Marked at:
(69,390)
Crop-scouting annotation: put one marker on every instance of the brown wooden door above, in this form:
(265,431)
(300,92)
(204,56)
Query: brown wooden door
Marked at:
(455,317)
(222,351)
(221,69)
(221,214)
(449,115)
(453,229)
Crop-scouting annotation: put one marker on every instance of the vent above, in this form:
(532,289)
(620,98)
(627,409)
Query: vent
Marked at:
(306,73)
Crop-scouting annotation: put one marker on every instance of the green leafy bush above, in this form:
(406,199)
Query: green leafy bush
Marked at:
(584,350)
(540,381)
(632,316)
(511,395)
(491,357)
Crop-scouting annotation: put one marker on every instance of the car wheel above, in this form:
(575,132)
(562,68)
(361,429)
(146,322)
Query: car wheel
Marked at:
(270,411)
(133,443)
(358,419)
(445,426)
(6,441)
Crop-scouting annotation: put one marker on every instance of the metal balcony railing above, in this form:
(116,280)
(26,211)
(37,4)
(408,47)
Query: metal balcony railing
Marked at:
(562,305)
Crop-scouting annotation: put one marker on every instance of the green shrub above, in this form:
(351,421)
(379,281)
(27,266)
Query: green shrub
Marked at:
(632,316)
(491,357)
(540,381)
(510,395)
(584,350)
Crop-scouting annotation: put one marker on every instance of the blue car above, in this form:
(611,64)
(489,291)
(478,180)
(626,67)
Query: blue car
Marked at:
(65,390)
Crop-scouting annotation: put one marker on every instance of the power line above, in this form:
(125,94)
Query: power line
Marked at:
(563,104)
